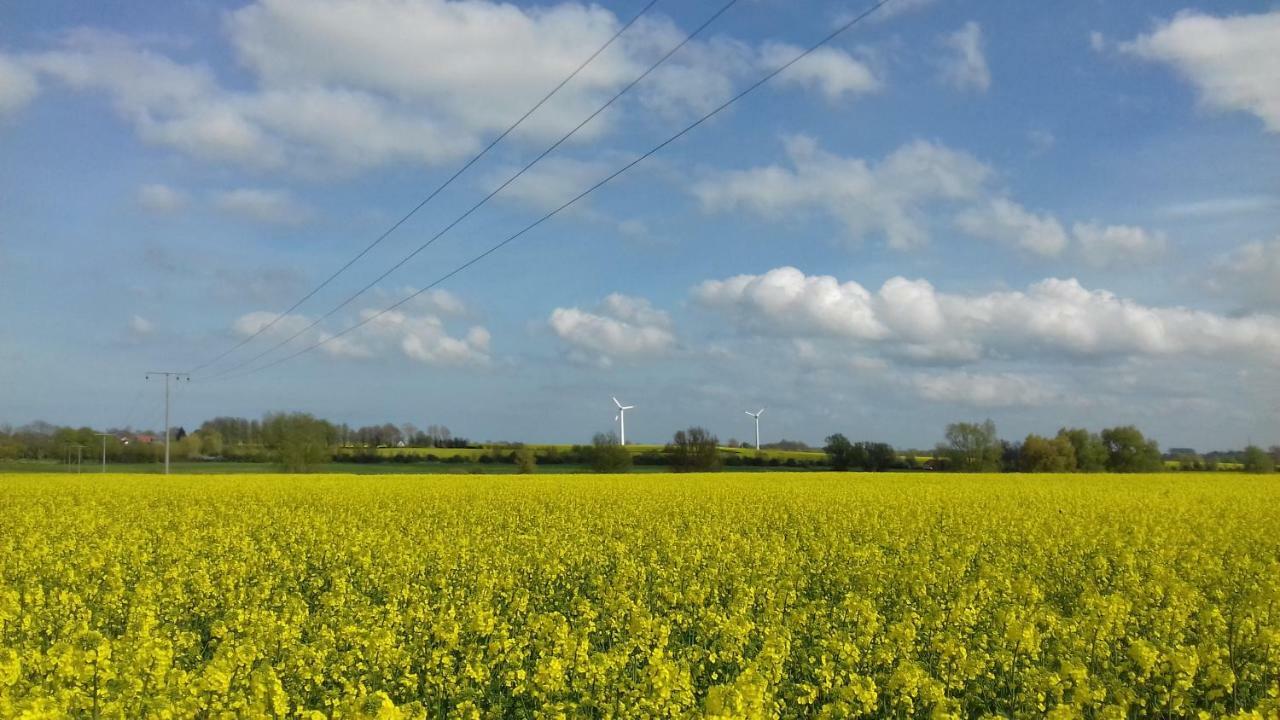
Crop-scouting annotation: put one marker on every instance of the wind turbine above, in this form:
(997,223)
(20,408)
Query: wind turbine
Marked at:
(757,415)
(622,420)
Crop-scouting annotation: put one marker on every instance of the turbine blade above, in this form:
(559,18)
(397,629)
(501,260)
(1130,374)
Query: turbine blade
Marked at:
(615,402)
(760,413)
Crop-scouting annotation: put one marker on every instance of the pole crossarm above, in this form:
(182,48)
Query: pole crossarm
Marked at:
(168,375)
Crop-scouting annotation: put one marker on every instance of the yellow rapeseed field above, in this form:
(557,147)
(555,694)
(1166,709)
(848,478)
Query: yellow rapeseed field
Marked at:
(725,595)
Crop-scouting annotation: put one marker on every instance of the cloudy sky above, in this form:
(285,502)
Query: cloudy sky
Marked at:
(1045,214)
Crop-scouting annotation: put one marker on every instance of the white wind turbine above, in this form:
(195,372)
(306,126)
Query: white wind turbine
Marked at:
(622,420)
(757,415)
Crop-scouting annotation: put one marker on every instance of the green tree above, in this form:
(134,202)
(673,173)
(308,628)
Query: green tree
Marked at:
(841,454)
(972,447)
(1090,452)
(526,461)
(607,454)
(878,456)
(1041,454)
(1256,460)
(1129,451)
(299,441)
(694,450)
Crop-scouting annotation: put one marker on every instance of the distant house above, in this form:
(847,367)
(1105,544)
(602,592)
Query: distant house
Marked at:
(400,444)
(145,439)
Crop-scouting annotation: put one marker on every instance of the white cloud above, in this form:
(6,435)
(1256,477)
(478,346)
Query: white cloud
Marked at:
(998,390)
(787,301)
(1250,272)
(1217,207)
(833,72)
(621,328)
(140,327)
(883,198)
(18,86)
(267,206)
(288,325)
(1005,221)
(344,85)
(552,182)
(1233,61)
(418,335)
(967,68)
(1102,246)
(161,198)
(424,338)
(909,318)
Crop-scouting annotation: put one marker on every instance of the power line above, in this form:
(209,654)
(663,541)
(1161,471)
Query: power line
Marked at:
(395,226)
(749,89)
(351,298)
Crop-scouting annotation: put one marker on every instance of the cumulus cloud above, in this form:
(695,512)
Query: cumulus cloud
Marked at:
(1251,273)
(1232,61)
(910,318)
(622,328)
(999,390)
(18,86)
(267,206)
(161,198)
(419,336)
(1106,245)
(424,338)
(833,72)
(252,323)
(966,69)
(1005,221)
(345,85)
(884,198)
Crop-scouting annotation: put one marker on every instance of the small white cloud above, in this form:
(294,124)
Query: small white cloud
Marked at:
(552,182)
(1000,390)
(18,86)
(252,323)
(883,198)
(140,327)
(1097,41)
(161,198)
(622,328)
(1251,273)
(267,206)
(1217,207)
(1102,246)
(833,72)
(967,68)
(424,339)
(1005,221)
(1233,61)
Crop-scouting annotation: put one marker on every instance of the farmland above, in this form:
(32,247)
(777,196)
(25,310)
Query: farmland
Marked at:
(727,595)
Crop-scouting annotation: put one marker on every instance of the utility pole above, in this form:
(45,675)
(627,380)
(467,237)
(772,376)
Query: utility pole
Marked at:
(79,456)
(104,437)
(167,376)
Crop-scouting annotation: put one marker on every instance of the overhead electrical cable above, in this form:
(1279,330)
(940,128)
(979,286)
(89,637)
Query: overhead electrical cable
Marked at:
(749,89)
(351,298)
(396,225)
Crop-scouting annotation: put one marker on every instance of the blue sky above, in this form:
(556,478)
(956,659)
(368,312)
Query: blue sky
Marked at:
(1043,214)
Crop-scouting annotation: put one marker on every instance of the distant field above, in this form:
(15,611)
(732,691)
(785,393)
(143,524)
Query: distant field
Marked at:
(724,595)
(476,453)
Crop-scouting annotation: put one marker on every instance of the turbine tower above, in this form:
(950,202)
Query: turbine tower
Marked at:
(757,415)
(622,420)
